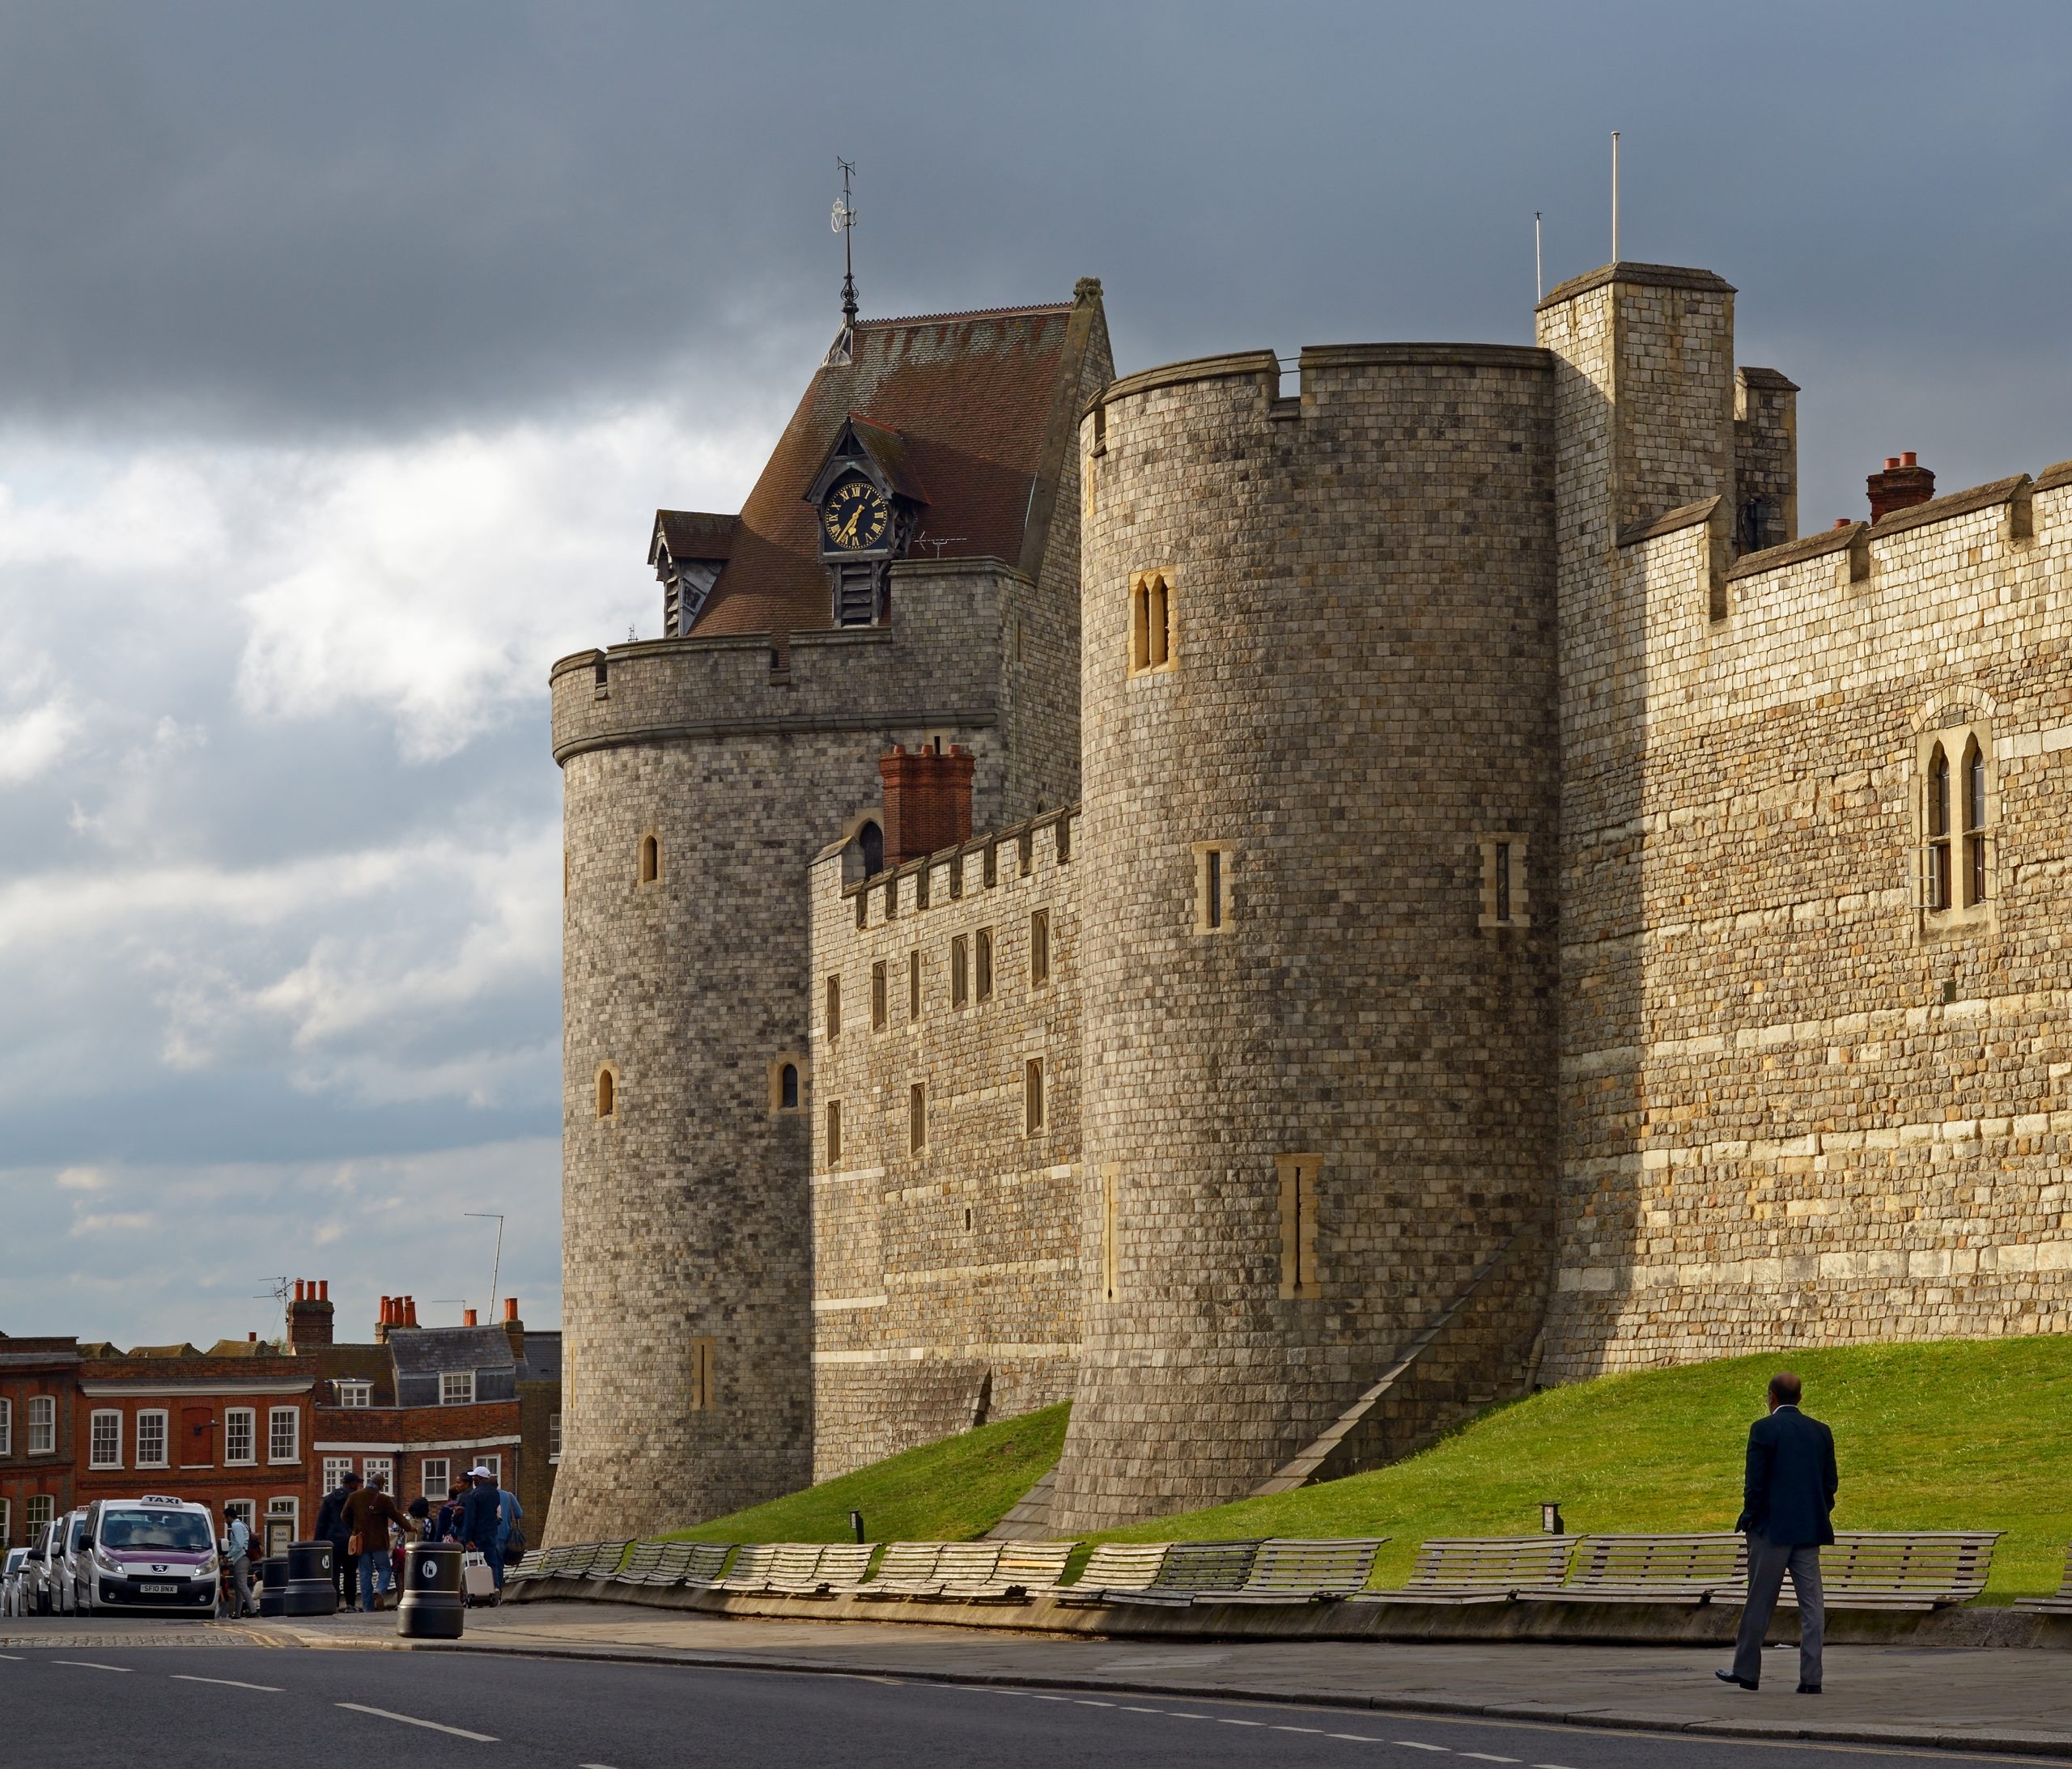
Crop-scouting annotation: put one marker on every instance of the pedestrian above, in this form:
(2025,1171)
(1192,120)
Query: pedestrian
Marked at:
(447,1528)
(331,1527)
(1787,1500)
(420,1511)
(236,1545)
(478,1520)
(510,1514)
(372,1514)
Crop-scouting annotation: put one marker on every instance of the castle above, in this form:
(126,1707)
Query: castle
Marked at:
(1282,908)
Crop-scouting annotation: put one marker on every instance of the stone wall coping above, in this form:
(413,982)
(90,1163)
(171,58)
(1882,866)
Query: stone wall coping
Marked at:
(1197,368)
(1654,276)
(1516,356)
(1806,546)
(2052,477)
(1958,503)
(1686,515)
(1043,819)
(1767,379)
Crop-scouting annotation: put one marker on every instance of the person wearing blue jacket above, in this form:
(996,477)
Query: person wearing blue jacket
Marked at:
(1787,1499)
(480,1516)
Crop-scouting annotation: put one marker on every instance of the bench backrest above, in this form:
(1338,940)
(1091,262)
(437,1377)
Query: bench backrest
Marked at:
(706,1559)
(912,1563)
(1208,1566)
(1288,1564)
(1032,1564)
(968,1562)
(1489,1563)
(796,1562)
(843,1563)
(646,1557)
(756,1560)
(605,1559)
(673,1562)
(1715,1558)
(1125,1566)
(1948,1564)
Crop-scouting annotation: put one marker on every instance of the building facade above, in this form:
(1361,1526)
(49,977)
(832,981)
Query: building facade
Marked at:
(1513,910)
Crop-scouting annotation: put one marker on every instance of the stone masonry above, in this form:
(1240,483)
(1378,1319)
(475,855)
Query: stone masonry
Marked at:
(1504,892)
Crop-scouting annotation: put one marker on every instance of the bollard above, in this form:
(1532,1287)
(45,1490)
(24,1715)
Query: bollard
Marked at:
(273,1586)
(312,1585)
(431,1607)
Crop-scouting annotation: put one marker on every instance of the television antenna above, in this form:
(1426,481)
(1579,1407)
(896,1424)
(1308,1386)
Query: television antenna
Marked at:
(277,1289)
(496,1269)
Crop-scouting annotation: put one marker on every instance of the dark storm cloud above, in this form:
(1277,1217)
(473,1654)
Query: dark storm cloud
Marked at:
(392,215)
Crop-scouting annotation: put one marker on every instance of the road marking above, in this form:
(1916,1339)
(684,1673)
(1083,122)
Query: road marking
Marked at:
(1484,1756)
(1221,1722)
(411,1720)
(88,1665)
(14,1658)
(225,1682)
(1357,1738)
(1317,1731)
(1411,1744)
(1093,1704)
(1144,1710)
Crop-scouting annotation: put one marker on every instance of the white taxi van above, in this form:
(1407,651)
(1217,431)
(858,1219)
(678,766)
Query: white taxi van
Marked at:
(154,1552)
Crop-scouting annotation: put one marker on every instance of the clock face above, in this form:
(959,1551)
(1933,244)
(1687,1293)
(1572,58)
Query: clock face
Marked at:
(855,517)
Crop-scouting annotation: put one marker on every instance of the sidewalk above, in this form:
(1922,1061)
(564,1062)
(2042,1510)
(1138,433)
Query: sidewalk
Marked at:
(1969,1698)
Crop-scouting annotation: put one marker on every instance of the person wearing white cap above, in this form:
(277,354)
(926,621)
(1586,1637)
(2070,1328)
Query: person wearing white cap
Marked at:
(480,1516)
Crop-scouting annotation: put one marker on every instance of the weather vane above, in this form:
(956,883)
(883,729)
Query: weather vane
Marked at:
(842,221)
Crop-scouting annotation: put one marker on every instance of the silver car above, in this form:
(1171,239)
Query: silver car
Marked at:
(36,1572)
(68,1567)
(10,1581)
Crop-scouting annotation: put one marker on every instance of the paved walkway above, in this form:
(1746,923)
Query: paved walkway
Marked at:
(1975,1699)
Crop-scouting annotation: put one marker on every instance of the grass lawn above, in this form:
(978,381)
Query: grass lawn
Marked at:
(954,1490)
(1956,1434)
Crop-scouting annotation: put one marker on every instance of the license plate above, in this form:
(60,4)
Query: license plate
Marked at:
(159,1590)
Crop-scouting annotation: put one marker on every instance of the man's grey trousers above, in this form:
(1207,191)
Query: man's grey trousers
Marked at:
(1768,1563)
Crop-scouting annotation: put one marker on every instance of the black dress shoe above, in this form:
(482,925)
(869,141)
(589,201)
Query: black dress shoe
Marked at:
(1809,1688)
(1728,1676)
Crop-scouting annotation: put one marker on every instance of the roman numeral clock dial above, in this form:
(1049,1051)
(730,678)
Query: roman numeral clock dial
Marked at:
(854,517)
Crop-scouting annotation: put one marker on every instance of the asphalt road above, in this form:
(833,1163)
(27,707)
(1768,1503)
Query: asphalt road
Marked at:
(213,1706)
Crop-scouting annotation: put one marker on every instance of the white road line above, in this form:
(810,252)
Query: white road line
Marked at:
(1550,1766)
(1093,1704)
(1484,1756)
(14,1658)
(1357,1738)
(1317,1731)
(1144,1710)
(226,1683)
(411,1720)
(88,1665)
(1411,1744)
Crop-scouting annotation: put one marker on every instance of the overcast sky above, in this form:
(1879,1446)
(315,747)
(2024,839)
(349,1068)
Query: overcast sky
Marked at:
(344,353)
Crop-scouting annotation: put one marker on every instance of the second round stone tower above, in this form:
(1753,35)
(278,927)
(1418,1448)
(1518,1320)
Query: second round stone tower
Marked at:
(1318,692)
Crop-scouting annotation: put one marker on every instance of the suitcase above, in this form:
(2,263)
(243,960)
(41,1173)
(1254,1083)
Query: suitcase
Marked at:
(478,1580)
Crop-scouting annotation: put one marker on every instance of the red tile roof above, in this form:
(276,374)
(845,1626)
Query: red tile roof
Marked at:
(970,396)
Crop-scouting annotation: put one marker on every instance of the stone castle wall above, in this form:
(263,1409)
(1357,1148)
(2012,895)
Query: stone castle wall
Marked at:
(687,1214)
(1813,1111)
(946,1281)
(1362,695)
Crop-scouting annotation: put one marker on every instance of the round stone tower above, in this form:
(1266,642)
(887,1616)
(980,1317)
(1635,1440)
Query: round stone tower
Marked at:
(1319,781)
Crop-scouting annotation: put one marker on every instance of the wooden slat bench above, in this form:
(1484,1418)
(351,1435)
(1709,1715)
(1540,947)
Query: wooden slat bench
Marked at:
(708,1560)
(525,1567)
(1116,1566)
(2060,1601)
(604,1559)
(570,1561)
(752,1567)
(1692,1568)
(966,1566)
(1896,1569)
(907,1570)
(1191,1568)
(1289,1570)
(1479,1569)
(645,1558)
(834,1566)
(1025,1570)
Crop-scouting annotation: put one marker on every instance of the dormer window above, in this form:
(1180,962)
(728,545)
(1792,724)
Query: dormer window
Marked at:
(356,1394)
(456,1388)
(867,499)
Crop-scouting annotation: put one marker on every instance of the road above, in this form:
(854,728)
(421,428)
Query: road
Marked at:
(216,1706)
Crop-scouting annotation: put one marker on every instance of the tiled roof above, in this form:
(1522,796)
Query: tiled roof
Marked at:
(543,1359)
(433,1351)
(970,397)
(692,534)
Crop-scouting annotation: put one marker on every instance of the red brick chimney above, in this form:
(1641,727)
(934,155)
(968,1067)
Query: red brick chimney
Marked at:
(1902,484)
(468,1319)
(310,1315)
(514,1329)
(927,800)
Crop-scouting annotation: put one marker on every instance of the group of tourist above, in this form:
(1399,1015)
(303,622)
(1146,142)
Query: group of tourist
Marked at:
(368,1531)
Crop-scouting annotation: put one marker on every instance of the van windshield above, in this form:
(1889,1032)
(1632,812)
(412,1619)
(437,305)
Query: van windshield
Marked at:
(184,1531)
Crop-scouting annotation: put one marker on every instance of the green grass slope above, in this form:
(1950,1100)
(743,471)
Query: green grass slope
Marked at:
(1955,1434)
(951,1492)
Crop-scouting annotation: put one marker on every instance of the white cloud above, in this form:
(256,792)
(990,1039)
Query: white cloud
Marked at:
(84,1179)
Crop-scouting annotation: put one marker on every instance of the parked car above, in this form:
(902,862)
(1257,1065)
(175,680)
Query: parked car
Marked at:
(36,1572)
(10,1581)
(66,1561)
(153,1553)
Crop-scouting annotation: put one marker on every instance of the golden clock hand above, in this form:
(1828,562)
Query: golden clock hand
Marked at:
(847,535)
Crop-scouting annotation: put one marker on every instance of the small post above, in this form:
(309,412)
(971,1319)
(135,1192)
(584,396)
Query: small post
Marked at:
(1550,1517)
(856,1524)
(1539,279)
(1614,196)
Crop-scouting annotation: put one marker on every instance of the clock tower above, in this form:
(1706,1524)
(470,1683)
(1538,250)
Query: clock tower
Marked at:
(868,501)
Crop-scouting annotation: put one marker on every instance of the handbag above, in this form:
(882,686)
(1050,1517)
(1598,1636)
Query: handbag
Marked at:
(355,1543)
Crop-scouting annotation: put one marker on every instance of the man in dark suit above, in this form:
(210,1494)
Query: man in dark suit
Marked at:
(1787,1496)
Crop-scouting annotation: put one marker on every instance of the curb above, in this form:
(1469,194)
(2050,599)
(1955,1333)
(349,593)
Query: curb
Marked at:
(2049,1745)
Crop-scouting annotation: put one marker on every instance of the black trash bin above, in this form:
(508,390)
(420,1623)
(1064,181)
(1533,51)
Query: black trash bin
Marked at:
(312,1586)
(432,1607)
(273,1586)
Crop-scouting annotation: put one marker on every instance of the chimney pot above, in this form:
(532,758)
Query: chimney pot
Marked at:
(1843,522)
(323,1289)
(1890,462)
(468,1318)
(1907,460)
(251,1339)
(511,1307)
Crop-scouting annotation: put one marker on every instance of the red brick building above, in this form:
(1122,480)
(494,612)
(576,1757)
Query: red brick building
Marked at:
(267,1428)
